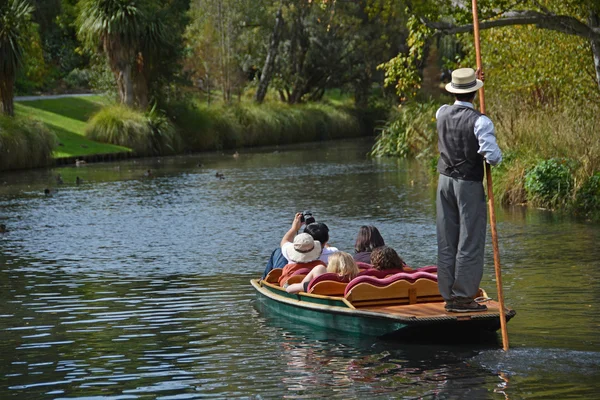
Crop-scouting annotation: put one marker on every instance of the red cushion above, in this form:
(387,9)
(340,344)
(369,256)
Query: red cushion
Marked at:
(430,268)
(382,282)
(362,266)
(301,271)
(328,276)
(380,273)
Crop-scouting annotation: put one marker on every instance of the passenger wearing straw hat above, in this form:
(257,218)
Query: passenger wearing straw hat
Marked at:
(465,139)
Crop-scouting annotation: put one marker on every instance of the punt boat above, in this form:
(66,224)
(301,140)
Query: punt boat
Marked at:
(376,304)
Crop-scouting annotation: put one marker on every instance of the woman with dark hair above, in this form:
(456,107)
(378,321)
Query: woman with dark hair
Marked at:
(368,239)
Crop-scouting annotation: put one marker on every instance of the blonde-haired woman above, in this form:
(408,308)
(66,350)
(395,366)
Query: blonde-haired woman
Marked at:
(340,263)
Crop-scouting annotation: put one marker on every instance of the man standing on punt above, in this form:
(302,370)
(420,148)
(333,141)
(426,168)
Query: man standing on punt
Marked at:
(465,138)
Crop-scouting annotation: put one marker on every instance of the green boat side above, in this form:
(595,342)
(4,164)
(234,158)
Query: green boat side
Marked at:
(338,314)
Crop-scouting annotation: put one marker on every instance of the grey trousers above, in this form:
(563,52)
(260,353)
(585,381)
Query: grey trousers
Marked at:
(461,228)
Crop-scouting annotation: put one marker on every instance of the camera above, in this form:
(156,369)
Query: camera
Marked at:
(307,217)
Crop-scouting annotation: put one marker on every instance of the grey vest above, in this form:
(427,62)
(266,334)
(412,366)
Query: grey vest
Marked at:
(458,145)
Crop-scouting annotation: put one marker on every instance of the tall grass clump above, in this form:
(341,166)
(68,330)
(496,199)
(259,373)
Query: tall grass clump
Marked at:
(553,151)
(25,143)
(219,127)
(410,132)
(147,134)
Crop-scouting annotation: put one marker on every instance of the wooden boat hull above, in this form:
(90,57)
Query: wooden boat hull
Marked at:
(338,314)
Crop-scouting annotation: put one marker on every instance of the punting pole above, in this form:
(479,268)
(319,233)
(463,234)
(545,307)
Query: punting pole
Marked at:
(488,174)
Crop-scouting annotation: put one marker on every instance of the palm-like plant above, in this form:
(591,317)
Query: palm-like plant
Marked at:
(127,34)
(15,15)
(116,25)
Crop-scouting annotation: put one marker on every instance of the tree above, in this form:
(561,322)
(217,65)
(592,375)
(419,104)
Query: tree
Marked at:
(135,38)
(15,16)
(573,17)
(215,42)
(269,66)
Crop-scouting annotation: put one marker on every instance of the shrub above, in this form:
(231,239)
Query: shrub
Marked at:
(550,182)
(410,132)
(247,124)
(587,201)
(25,143)
(146,134)
(78,79)
(509,177)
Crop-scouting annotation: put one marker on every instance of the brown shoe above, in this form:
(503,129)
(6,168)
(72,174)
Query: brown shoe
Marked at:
(464,307)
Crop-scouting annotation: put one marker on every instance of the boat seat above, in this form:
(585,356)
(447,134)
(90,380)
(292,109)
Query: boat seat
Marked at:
(432,269)
(301,271)
(387,272)
(296,278)
(380,273)
(328,284)
(273,276)
(398,289)
(363,266)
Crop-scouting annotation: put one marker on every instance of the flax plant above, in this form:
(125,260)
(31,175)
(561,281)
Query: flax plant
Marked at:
(15,16)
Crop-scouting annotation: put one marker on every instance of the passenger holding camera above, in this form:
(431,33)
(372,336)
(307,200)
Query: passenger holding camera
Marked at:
(318,230)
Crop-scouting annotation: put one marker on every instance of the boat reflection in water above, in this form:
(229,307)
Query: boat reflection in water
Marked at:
(309,355)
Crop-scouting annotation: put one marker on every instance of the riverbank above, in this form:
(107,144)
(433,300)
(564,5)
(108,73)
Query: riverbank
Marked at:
(551,152)
(175,128)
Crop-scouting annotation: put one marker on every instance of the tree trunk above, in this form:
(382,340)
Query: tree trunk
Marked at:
(267,71)
(141,90)
(7,94)
(121,60)
(127,85)
(595,42)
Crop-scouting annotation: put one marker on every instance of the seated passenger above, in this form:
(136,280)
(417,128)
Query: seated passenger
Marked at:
(340,263)
(318,230)
(304,253)
(384,258)
(368,239)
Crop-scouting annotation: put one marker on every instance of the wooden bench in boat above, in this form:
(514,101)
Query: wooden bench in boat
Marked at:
(328,284)
(273,276)
(398,289)
(297,278)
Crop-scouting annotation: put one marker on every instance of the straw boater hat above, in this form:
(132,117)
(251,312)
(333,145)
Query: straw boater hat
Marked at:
(464,81)
(305,249)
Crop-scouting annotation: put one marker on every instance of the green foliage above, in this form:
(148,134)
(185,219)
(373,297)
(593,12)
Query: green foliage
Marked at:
(402,71)
(550,182)
(15,20)
(24,143)
(164,138)
(411,132)
(78,79)
(15,17)
(34,73)
(146,134)
(141,40)
(245,125)
(587,201)
(537,66)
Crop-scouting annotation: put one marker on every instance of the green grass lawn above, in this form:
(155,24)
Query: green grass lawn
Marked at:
(67,117)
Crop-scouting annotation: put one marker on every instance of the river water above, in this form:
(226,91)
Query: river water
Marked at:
(137,287)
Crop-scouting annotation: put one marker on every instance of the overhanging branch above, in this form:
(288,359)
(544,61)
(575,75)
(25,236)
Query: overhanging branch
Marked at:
(560,23)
